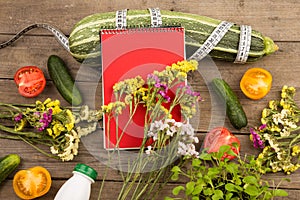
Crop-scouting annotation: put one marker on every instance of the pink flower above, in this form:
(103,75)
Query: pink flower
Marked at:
(257,141)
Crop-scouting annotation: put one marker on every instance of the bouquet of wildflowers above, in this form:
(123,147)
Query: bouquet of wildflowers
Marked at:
(53,126)
(278,136)
(165,139)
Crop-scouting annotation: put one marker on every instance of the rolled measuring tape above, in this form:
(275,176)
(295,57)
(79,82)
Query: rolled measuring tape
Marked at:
(156,21)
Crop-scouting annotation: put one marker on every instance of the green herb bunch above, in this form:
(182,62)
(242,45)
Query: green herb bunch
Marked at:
(210,177)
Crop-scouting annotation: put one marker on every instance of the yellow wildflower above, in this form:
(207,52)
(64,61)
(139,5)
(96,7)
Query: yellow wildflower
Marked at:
(265,113)
(295,150)
(273,105)
(54,103)
(20,125)
(71,120)
(56,110)
(50,132)
(57,128)
(181,75)
(107,108)
(48,100)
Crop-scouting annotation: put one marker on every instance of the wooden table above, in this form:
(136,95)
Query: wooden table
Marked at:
(278,19)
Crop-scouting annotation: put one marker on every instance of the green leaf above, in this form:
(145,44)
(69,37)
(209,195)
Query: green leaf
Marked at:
(190,186)
(251,190)
(198,189)
(208,192)
(224,148)
(250,180)
(218,194)
(177,189)
(212,172)
(174,177)
(195,198)
(175,169)
(228,196)
(280,193)
(230,168)
(268,195)
(230,187)
(235,145)
(230,152)
(205,156)
(196,162)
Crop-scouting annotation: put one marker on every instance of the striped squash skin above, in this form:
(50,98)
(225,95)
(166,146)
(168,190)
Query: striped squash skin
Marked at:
(84,39)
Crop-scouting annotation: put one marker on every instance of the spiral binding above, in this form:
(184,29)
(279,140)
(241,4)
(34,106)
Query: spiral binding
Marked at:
(142,29)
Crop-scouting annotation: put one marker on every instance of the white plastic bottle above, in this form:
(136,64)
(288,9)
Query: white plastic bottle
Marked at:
(78,187)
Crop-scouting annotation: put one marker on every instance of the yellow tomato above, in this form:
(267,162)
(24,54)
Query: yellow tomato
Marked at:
(256,83)
(32,183)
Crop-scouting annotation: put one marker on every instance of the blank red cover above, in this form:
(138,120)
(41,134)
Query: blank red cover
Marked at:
(127,53)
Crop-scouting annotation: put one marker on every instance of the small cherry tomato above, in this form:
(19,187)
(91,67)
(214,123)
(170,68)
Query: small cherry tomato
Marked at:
(30,81)
(256,83)
(221,136)
(32,183)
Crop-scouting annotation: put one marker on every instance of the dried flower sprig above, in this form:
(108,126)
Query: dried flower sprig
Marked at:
(53,126)
(165,139)
(278,135)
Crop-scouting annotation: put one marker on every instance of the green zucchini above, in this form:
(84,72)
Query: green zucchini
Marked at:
(84,40)
(8,164)
(63,80)
(234,109)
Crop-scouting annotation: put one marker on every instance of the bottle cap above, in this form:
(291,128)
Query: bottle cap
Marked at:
(86,170)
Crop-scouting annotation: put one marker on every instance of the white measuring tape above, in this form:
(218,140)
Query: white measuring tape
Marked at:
(121,19)
(156,21)
(212,41)
(61,38)
(244,44)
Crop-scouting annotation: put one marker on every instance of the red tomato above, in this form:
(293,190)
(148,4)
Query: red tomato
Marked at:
(221,136)
(30,81)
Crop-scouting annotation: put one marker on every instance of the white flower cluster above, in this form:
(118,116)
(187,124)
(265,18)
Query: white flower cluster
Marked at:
(70,147)
(169,128)
(284,119)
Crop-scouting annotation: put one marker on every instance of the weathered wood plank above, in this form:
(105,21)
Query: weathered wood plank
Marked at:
(270,17)
(61,170)
(110,191)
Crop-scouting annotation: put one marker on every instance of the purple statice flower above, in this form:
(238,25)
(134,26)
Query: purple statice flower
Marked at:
(257,141)
(262,127)
(161,85)
(190,92)
(164,95)
(45,120)
(18,117)
(153,77)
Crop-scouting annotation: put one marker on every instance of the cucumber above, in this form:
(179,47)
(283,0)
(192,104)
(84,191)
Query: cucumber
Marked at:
(234,109)
(8,164)
(63,80)
(84,40)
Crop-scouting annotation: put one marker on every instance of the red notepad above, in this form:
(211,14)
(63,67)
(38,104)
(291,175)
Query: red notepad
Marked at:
(127,53)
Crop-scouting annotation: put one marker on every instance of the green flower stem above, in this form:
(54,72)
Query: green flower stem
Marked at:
(13,131)
(38,149)
(6,116)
